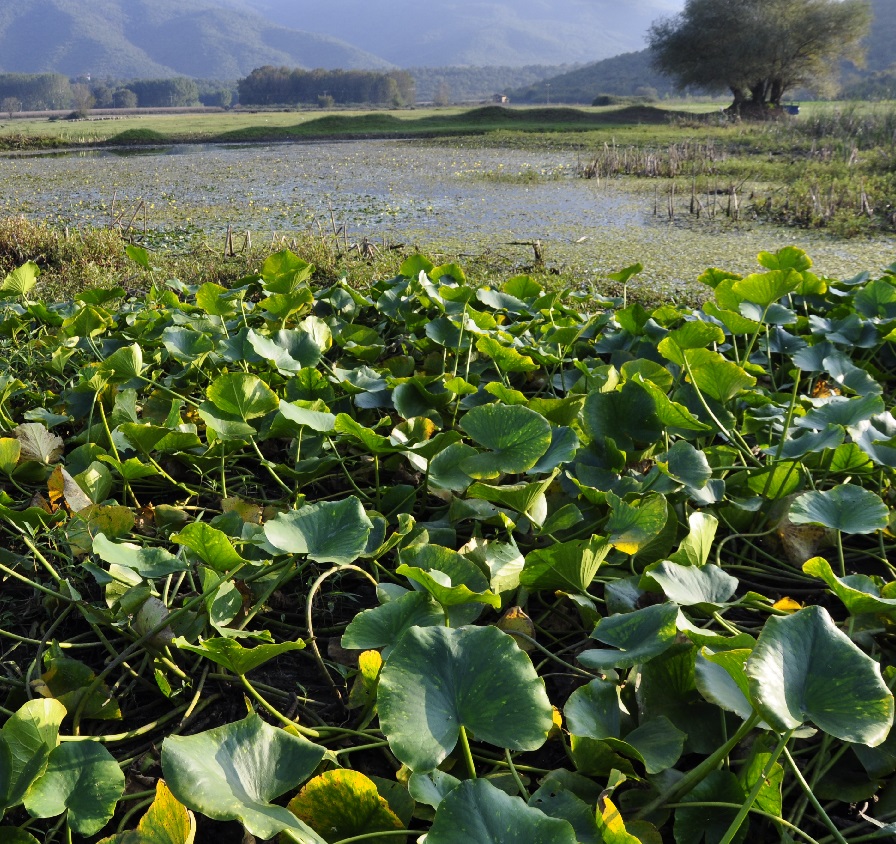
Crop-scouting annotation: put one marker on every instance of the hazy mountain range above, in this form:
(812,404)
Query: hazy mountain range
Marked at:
(226,39)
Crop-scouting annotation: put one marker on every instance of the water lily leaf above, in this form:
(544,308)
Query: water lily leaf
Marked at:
(63,488)
(449,569)
(233,656)
(328,532)
(717,377)
(37,443)
(211,545)
(752,771)
(670,413)
(370,440)
(13,835)
(243,395)
(314,419)
(639,635)
(478,813)
(658,743)
(847,508)
(20,281)
(569,566)
(284,272)
(626,416)
(235,771)
(10,451)
(516,436)
(446,594)
(634,526)
(165,822)
(721,678)
(593,710)
(228,426)
(186,345)
(506,358)
(82,777)
(439,679)
(383,626)
(124,364)
(431,787)
(445,471)
(695,547)
(29,735)
(343,803)
(693,585)
(684,464)
(67,680)
(804,668)
(859,593)
(150,562)
(765,288)
(611,826)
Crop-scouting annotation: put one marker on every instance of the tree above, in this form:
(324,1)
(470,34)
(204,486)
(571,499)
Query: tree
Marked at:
(83,99)
(442,96)
(11,105)
(758,49)
(124,98)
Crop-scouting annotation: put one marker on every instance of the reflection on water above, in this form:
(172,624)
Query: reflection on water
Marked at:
(407,192)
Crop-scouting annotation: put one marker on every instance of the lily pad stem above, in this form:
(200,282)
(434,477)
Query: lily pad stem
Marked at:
(735,825)
(468,754)
(822,814)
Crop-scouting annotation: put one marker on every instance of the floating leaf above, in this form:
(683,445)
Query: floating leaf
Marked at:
(243,395)
(343,803)
(383,626)
(29,735)
(233,656)
(37,443)
(328,532)
(804,669)
(859,593)
(147,562)
(570,566)
(446,594)
(166,822)
(476,812)
(847,508)
(20,281)
(82,777)
(693,585)
(211,545)
(639,635)
(439,679)
(516,436)
(235,771)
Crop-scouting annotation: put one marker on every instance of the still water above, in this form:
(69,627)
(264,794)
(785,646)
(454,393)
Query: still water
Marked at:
(465,199)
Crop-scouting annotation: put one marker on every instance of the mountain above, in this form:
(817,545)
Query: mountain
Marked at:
(438,33)
(154,38)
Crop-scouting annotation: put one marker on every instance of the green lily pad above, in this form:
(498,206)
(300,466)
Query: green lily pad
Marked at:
(383,626)
(343,803)
(211,545)
(147,562)
(439,679)
(804,668)
(693,585)
(847,508)
(165,822)
(446,594)
(329,532)
(478,813)
(633,527)
(124,364)
(29,736)
(593,710)
(516,436)
(639,636)
(243,395)
(235,771)
(83,778)
(569,566)
(233,656)
(859,593)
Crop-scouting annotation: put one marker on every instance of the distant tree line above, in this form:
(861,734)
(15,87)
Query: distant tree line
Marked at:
(270,85)
(53,91)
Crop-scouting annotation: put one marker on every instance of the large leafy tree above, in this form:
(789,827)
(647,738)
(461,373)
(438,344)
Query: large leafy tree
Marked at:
(758,49)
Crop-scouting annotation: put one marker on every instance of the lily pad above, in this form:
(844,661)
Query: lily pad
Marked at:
(343,803)
(439,679)
(804,668)
(329,532)
(847,508)
(235,771)
(516,436)
(478,813)
(166,822)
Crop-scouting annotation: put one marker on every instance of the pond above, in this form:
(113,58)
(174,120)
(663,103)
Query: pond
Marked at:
(452,198)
